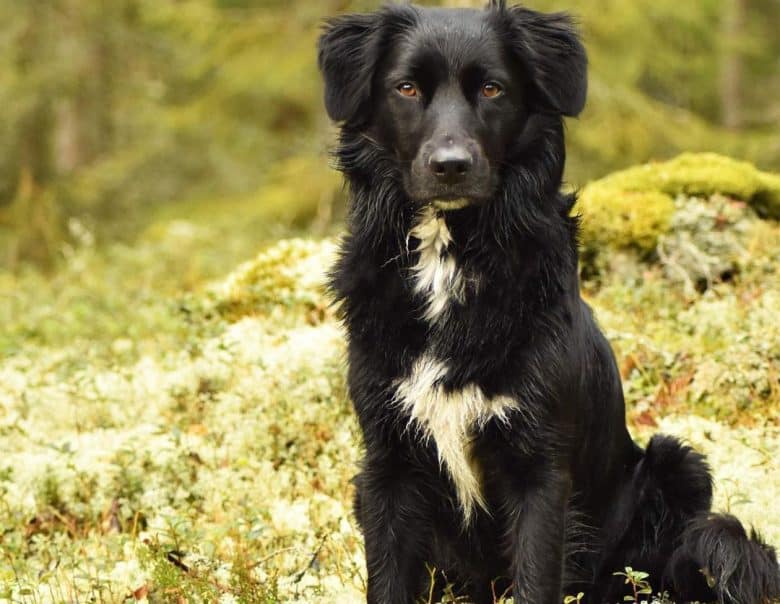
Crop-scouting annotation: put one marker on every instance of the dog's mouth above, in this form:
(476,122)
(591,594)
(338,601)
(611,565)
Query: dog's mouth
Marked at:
(446,205)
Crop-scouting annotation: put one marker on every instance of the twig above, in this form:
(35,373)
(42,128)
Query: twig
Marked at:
(300,575)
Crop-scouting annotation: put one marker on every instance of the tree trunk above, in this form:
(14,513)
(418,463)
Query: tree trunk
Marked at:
(733,25)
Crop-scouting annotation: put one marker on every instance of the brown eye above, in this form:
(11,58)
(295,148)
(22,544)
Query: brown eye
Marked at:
(407,89)
(491,90)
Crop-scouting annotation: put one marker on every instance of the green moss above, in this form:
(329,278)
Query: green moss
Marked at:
(702,175)
(766,200)
(624,219)
(49,492)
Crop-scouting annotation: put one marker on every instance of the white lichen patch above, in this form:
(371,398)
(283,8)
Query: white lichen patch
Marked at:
(451,419)
(200,453)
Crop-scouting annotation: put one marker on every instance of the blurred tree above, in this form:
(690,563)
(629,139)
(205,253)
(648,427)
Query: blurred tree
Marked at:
(734,13)
(69,73)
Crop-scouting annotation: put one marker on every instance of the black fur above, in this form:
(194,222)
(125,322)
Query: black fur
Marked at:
(716,551)
(570,497)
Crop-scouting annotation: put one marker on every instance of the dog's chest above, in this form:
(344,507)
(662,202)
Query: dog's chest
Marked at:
(452,419)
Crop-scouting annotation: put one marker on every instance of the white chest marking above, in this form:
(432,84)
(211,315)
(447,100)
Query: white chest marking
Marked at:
(450,419)
(437,276)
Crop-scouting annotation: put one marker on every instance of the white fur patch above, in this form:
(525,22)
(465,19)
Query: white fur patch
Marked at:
(451,204)
(450,419)
(437,276)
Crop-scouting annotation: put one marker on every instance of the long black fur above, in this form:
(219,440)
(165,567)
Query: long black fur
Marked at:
(571,498)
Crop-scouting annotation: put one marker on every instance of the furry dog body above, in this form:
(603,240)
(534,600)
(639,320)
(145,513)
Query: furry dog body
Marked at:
(489,401)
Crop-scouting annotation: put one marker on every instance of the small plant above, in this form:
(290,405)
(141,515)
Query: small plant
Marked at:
(574,599)
(638,582)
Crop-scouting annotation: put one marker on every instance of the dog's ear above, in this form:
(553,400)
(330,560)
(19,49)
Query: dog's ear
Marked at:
(344,55)
(349,50)
(549,47)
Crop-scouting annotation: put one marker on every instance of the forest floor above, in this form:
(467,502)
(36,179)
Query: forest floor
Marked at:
(170,435)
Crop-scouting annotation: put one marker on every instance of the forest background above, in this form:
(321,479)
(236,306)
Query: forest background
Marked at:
(174,423)
(117,114)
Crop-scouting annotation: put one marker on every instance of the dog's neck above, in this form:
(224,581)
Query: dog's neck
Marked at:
(437,276)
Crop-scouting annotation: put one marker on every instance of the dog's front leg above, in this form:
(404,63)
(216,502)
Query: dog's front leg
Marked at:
(536,538)
(391,510)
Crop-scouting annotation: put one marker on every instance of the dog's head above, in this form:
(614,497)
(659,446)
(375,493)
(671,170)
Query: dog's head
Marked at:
(451,93)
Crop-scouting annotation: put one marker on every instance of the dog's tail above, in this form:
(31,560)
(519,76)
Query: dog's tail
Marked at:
(717,558)
(664,526)
(708,557)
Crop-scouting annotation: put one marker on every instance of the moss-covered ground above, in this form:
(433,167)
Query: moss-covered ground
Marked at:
(174,425)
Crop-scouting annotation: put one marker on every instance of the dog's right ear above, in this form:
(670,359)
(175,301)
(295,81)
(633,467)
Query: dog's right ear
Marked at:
(347,58)
(349,51)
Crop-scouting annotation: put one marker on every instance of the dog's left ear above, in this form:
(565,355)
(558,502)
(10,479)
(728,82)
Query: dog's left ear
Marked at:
(549,47)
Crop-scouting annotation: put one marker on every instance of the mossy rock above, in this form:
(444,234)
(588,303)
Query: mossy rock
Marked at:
(286,280)
(632,208)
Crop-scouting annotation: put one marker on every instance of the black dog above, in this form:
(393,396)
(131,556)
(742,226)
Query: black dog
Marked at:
(490,404)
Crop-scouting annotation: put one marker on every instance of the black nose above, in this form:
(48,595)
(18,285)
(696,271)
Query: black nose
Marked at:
(450,164)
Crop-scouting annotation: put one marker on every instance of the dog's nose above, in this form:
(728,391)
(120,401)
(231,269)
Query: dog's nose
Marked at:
(450,164)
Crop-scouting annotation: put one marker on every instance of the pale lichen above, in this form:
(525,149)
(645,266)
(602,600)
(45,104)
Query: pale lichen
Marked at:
(707,241)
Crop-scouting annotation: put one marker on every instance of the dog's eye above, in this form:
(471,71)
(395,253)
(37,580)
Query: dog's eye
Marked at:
(407,89)
(491,90)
